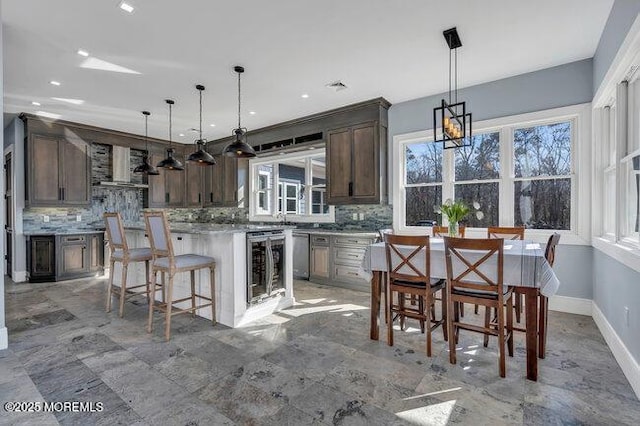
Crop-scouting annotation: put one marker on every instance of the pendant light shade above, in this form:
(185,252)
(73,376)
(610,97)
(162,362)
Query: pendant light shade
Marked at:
(170,163)
(239,148)
(201,157)
(145,167)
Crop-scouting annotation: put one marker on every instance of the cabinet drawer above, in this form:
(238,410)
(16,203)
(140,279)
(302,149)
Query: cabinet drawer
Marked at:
(349,273)
(348,256)
(73,239)
(353,241)
(320,240)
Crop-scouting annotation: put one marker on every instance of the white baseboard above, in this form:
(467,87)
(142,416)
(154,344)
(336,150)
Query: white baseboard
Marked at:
(19,276)
(571,305)
(627,362)
(4,338)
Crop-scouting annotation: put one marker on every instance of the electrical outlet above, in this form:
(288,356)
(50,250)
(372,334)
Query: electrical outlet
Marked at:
(45,218)
(626,315)
(316,225)
(354,216)
(78,218)
(213,216)
(361,216)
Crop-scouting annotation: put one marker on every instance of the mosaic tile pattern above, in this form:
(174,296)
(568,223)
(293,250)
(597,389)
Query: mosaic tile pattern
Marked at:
(311,364)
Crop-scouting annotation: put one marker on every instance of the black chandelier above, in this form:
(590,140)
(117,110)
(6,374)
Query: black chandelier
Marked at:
(200,156)
(145,167)
(239,148)
(170,163)
(451,121)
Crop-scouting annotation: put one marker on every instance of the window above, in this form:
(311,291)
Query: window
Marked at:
(520,170)
(290,186)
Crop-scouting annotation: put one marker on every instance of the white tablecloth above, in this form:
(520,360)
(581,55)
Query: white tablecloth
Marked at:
(524,264)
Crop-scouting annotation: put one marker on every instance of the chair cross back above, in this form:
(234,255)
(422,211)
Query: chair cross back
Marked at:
(492,247)
(419,244)
(506,232)
(550,250)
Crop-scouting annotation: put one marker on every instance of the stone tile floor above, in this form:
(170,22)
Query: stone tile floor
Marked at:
(311,364)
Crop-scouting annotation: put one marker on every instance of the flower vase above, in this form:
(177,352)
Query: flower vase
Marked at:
(453,229)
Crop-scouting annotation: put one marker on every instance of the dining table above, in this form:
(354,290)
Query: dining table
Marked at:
(524,267)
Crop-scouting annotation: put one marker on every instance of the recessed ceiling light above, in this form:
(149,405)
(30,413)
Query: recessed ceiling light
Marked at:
(181,134)
(55,83)
(252,112)
(70,101)
(212,125)
(126,7)
(305,95)
(83,52)
(36,103)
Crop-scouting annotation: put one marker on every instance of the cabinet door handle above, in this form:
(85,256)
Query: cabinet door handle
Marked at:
(59,193)
(211,197)
(350,189)
(179,238)
(74,239)
(199,198)
(166,197)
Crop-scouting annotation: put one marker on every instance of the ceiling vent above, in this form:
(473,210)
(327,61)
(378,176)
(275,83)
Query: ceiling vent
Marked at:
(336,86)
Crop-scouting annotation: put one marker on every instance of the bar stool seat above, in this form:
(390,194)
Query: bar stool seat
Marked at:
(120,252)
(185,261)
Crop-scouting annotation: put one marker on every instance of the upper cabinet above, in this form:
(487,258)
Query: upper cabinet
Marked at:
(221,182)
(58,171)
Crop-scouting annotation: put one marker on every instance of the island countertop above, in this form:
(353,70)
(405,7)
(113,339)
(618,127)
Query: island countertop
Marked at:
(211,228)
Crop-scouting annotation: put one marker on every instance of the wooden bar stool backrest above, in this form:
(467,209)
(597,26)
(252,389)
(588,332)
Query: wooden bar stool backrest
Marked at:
(506,232)
(159,235)
(115,232)
(550,251)
(443,231)
(411,267)
(472,269)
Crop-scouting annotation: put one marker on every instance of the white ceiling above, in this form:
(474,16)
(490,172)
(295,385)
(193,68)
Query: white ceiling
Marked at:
(393,49)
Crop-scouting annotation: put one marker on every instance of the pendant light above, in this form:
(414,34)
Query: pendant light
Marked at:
(170,163)
(200,156)
(239,148)
(145,167)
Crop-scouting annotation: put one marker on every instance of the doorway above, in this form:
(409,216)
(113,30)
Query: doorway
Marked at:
(8,214)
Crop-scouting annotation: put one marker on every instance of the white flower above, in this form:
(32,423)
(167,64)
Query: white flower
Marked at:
(476,205)
(448,202)
(479,215)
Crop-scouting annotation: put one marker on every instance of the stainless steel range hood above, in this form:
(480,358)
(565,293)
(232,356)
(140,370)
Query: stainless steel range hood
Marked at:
(121,169)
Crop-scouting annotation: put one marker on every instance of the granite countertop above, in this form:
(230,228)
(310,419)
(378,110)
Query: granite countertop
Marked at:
(62,232)
(211,228)
(347,233)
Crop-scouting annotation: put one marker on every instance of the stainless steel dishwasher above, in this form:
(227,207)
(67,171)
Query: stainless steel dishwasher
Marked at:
(301,255)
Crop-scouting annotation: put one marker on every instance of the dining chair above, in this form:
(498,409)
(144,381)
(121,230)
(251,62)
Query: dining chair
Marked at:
(120,252)
(475,275)
(509,233)
(408,272)
(381,234)
(166,262)
(550,256)
(443,231)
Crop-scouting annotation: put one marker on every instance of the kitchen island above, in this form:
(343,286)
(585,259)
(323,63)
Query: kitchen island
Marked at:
(227,244)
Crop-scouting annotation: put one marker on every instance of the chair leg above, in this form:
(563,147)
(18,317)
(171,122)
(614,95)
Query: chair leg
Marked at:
(503,365)
(451,316)
(169,305)
(385,287)
(212,284)
(461,308)
(421,308)
(456,318)
(542,326)
(390,322)
(164,287)
(193,294)
(445,321)
(154,277)
(518,306)
(110,286)
(147,279)
(475,309)
(123,288)
(426,300)
(510,324)
(401,303)
(487,324)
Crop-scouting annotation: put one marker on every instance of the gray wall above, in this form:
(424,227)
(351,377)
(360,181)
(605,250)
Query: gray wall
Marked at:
(567,84)
(622,15)
(617,286)
(3,329)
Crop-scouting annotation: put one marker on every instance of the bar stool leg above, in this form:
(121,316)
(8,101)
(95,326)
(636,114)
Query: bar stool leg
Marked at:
(169,305)
(110,286)
(162,278)
(154,277)
(193,294)
(212,283)
(123,287)
(147,279)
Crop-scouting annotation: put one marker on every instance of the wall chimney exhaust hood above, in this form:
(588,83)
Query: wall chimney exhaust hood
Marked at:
(121,169)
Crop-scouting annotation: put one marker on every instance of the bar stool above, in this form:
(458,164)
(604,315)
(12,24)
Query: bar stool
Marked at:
(164,261)
(120,252)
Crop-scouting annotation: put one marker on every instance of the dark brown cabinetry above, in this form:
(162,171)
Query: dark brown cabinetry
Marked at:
(221,183)
(62,257)
(354,157)
(58,171)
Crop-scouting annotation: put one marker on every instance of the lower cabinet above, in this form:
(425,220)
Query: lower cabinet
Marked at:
(337,260)
(63,257)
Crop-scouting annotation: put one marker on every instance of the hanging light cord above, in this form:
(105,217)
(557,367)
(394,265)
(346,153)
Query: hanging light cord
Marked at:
(170,141)
(239,100)
(146,133)
(449,73)
(200,140)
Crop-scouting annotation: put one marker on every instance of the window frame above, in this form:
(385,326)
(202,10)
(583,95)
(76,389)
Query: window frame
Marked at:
(580,115)
(273,193)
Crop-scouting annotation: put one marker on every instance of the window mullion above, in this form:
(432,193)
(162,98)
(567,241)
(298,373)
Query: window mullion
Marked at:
(507,188)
